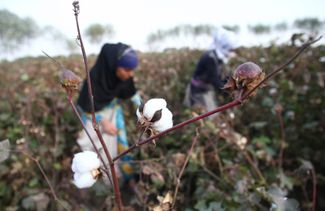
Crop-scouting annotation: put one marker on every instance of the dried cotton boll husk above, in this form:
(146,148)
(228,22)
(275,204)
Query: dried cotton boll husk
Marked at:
(165,122)
(152,106)
(84,180)
(85,162)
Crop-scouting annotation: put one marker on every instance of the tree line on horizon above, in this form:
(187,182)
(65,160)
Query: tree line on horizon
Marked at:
(16,31)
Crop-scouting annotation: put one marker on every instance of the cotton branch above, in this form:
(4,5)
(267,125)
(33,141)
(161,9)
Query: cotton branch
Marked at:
(95,125)
(232,104)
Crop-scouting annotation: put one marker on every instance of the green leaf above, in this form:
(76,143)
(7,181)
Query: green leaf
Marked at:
(57,166)
(2,188)
(200,205)
(215,206)
(24,77)
(285,182)
(33,183)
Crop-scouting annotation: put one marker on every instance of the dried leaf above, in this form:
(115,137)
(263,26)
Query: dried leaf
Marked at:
(36,202)
(147,170)
(168,198)
(230,85)
(164,202)
(4,150)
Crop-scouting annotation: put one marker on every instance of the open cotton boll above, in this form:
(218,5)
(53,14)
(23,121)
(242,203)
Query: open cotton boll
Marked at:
(152,106)
(83,180)
(165,122)
(85,162)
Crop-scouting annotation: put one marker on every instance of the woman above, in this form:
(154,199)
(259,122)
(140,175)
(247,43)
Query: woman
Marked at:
(112,81)
(207,76)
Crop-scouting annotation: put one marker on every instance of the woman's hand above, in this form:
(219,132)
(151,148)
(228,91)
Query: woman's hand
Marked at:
(108,127)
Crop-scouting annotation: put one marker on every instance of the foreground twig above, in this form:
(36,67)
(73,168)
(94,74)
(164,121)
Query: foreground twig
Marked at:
(90,138)
(44,175)
(118,199)
(232,104)
(256,169)
(184,165)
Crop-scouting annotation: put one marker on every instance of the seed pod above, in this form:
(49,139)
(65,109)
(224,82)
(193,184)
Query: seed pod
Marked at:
(247,76)
(246,72)
(69,80)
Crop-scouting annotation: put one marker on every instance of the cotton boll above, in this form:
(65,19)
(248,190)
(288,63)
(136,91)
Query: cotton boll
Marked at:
(165,122)
(85,162)
(152,106)
(83,180)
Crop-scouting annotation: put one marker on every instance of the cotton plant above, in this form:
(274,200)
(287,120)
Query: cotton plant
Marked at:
(154,116)
(85,166)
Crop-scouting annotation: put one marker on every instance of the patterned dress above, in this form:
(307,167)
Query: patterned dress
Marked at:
(116,144)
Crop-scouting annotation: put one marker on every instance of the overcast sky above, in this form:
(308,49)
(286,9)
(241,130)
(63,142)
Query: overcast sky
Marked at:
(133,20)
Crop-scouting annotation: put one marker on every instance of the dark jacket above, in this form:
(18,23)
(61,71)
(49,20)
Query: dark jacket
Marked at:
(105,84)
(207,73)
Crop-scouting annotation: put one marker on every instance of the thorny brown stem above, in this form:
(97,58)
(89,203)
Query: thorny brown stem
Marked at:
(184,165)
(90,138)
(118,199)
(232,104)
(90,91)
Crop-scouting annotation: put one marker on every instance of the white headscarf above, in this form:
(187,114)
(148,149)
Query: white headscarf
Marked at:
(223,42)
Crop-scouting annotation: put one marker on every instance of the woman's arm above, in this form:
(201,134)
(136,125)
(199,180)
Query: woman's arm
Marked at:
(136,99)
(108,126)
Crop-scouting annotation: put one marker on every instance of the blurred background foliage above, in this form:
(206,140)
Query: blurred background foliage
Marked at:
(234,166)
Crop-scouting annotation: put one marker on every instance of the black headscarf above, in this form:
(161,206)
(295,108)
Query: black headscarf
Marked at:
(105,84)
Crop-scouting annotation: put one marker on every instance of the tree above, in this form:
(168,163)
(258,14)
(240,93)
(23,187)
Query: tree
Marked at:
(15,31)
(233,28)
(310,24)
(283,26)
(96,32)
(260,29)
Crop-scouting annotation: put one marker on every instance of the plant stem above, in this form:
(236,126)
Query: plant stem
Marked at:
(118,199)
(90,138)
(180,125)
(277,70)
(45,177)
(232,104)
(256,169)
(184,165)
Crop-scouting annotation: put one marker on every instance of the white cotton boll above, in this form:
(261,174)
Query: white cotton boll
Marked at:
(152,106)
(85,162)
(83,180)
(165,122)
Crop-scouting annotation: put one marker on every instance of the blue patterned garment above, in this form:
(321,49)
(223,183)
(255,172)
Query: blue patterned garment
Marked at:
(122,142)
